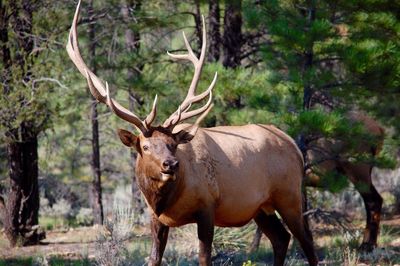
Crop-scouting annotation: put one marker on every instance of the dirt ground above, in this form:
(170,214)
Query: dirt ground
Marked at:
(75,243)
(80,243)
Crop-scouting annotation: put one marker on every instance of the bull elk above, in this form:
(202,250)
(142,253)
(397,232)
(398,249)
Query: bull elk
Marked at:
(223,176)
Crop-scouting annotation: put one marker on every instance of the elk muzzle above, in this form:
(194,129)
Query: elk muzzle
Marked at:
(169,167)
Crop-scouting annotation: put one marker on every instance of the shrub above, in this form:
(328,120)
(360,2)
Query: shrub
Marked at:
(84,216)
(110,246)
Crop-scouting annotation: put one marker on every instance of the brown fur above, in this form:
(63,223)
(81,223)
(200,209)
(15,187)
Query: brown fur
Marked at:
(226,177)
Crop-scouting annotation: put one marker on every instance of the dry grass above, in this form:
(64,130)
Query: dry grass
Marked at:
(335,247)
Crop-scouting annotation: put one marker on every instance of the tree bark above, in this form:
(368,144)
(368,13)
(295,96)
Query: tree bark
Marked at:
(96,198)
(308,92)
(232,39)
(20,213)
(30,186)
(5,49)
(214,34)
(13,205)
(308,63)
(198,25)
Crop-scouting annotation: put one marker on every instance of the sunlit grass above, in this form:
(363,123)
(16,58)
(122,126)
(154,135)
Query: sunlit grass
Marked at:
(334,247)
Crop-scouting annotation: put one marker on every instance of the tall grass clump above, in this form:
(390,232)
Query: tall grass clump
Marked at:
(350,257)
(110,245)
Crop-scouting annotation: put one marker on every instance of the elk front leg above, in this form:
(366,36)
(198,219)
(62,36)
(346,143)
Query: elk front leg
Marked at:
(159,233)
(205,232)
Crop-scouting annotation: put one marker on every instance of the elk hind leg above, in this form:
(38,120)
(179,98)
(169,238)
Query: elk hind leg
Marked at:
(373,206)
(360,176)
(272,227)
(293,217)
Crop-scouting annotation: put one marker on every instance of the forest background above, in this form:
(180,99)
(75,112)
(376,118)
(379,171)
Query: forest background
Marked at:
(301,65)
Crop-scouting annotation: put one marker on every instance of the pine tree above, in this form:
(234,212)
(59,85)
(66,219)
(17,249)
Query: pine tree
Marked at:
(323,53)
(317,52)
(26,107)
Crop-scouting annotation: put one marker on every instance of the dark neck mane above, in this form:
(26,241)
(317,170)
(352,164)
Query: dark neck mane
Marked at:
(159,196)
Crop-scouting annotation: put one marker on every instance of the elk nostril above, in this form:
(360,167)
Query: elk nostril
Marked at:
(166,164)
(170,164)
(175,164)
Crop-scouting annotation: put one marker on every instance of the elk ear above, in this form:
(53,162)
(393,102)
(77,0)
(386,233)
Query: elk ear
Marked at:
(187,134)
(127,138)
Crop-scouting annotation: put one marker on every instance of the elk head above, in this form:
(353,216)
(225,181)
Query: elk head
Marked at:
(156,145)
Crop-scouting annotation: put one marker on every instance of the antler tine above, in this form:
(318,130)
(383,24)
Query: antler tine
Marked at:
(96,86)
(124,113)
(192,113)
(150,118)
(191,97)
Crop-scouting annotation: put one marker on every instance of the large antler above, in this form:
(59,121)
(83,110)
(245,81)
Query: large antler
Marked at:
(96,86)
(183,111)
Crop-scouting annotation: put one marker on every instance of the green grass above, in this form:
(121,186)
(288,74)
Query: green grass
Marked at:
(388,234)
(51,223)
(16,262)
(53,261)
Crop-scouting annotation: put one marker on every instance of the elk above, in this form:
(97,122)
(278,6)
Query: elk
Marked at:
(330,155)
(220,176)
(325,155)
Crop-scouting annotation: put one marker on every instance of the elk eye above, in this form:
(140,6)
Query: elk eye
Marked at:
(145,147)
(172,147)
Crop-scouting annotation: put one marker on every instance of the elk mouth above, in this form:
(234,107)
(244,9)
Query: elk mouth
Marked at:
(167,175)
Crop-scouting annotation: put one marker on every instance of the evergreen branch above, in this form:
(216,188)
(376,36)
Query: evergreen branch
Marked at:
(188,13)
(340,84)
(330,217)
(253,63)
(50,80)
(317,162)
(328,59)
(84,21)
(250,52)
(160,38)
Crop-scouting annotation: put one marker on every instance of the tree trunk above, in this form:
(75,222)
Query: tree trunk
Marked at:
(20,213)
(307,100)
(132,43)
(5,49)
(96,199)
(20,216)
(232,39)
(307,65)
(30,186)
(13,205)
(198,25)
(214,34)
